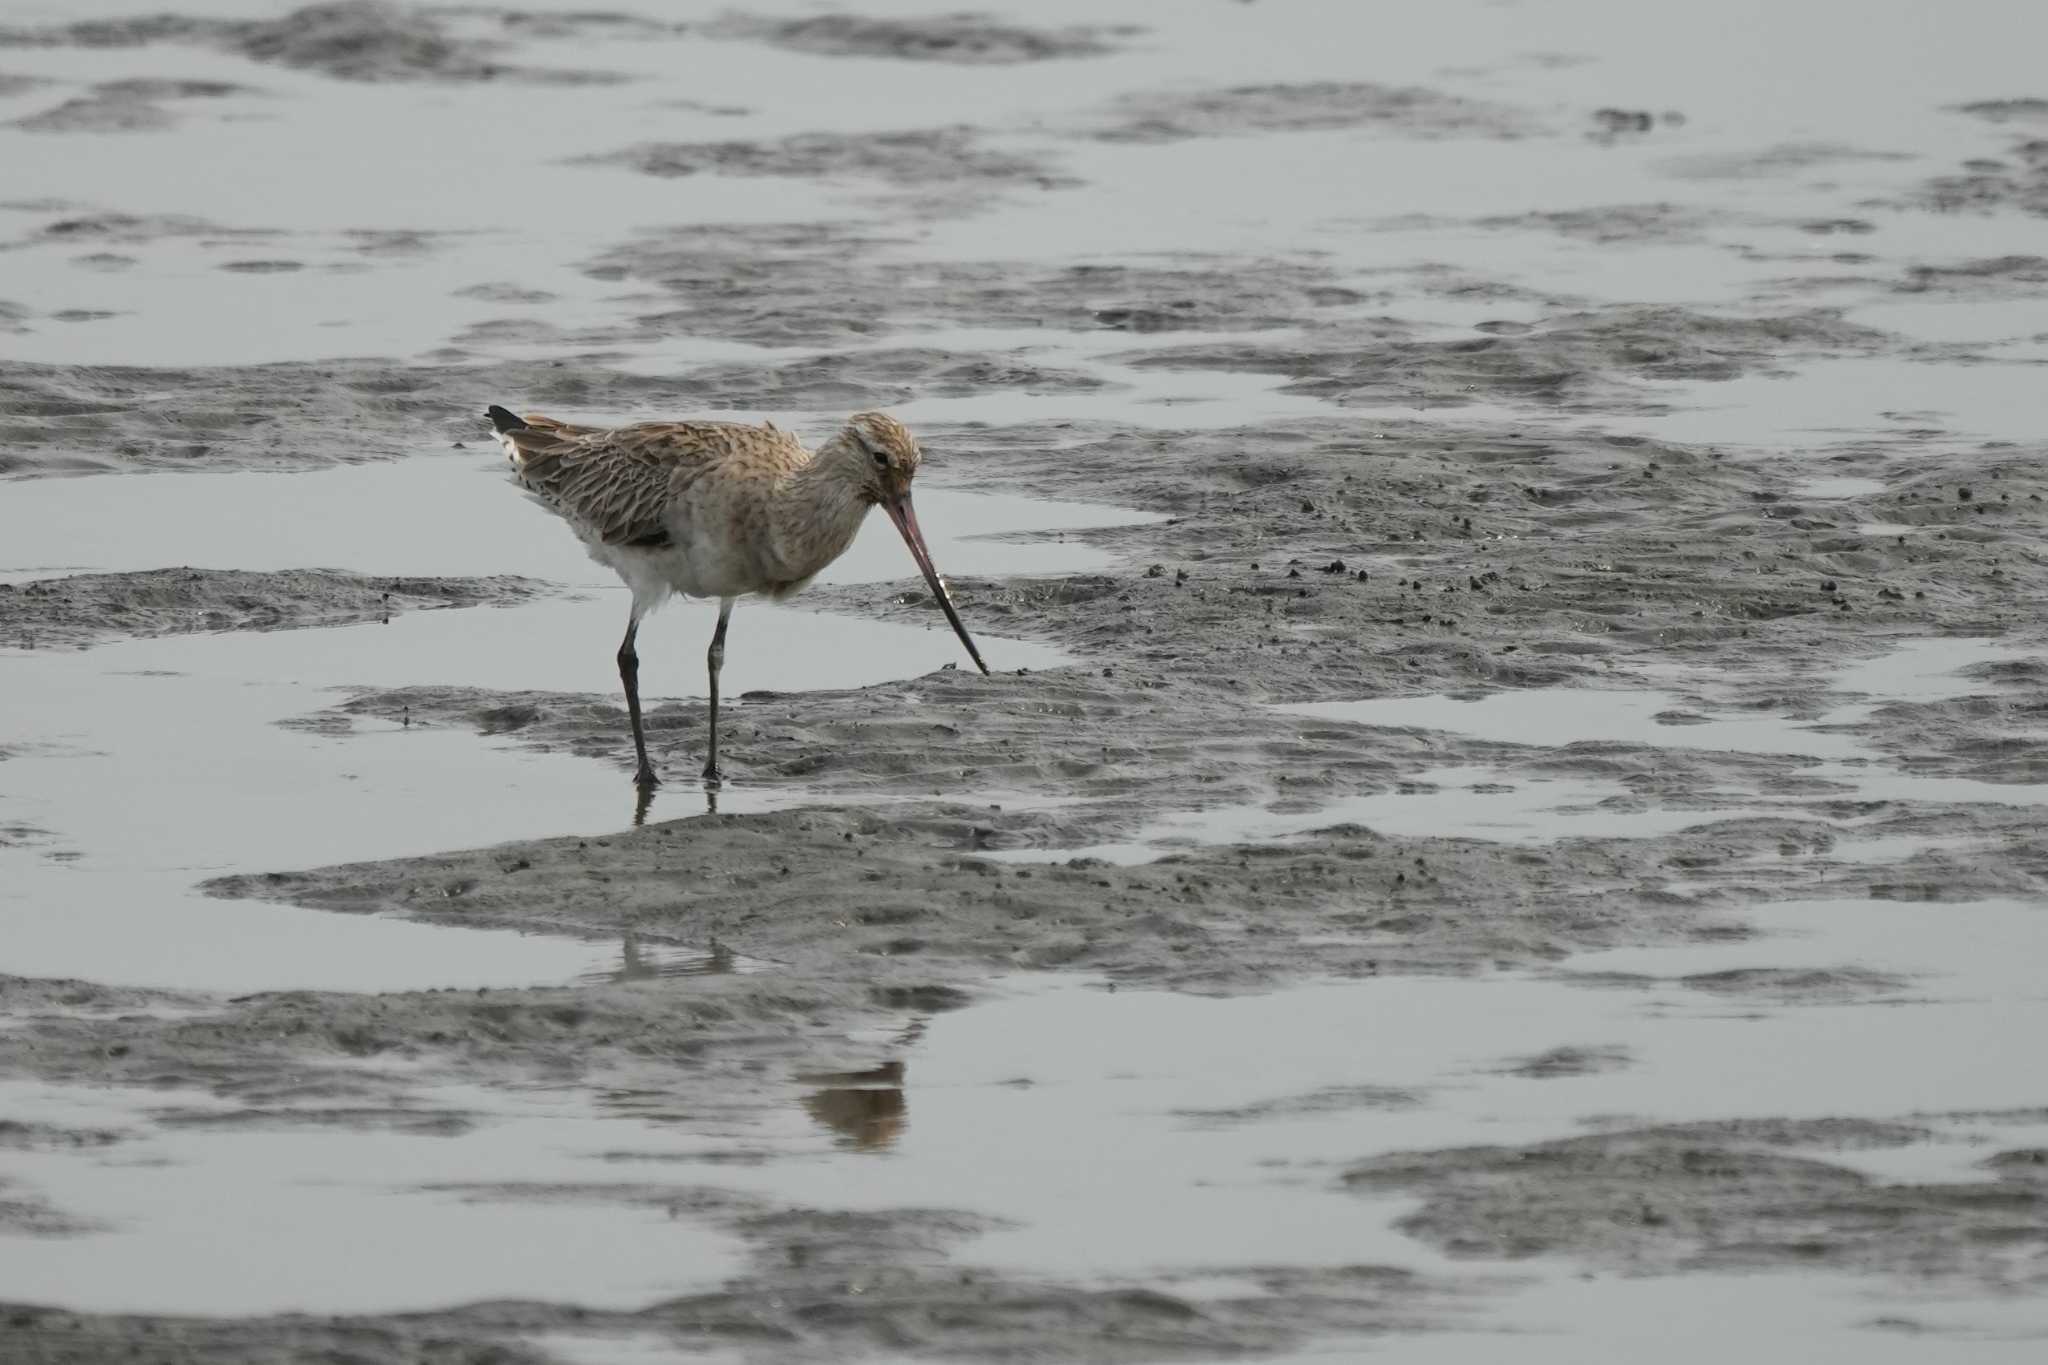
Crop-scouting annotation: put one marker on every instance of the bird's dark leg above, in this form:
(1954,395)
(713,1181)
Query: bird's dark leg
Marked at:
(629,674)
(715,660)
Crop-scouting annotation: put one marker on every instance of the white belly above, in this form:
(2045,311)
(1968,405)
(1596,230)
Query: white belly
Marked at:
(692,570)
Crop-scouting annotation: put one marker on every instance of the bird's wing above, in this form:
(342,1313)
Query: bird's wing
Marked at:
(618,482)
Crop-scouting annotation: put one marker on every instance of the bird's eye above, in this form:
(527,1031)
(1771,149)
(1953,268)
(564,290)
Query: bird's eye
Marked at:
(881,458)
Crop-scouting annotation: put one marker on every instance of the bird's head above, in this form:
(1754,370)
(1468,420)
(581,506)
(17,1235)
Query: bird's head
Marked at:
(887,455)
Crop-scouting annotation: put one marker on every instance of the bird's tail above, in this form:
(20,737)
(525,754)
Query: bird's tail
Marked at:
(532,437)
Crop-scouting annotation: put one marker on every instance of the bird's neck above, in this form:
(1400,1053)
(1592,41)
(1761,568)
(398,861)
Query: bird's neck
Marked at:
(820,508)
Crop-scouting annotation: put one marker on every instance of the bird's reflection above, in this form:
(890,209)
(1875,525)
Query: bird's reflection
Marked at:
(643,800)
(866,1109)
(637,964)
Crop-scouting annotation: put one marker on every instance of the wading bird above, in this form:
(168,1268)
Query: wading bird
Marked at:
(717,509)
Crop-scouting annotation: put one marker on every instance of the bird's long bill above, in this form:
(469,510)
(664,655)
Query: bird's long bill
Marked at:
(906,521)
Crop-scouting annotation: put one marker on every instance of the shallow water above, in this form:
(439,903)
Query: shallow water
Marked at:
(147,783)
(1463,803)
(1568,715)
(1829,489)
(247,1219)
(1702,1319)
(1834,400)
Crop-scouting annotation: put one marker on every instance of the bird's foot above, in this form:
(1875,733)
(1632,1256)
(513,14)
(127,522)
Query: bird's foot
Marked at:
(714,775)
(644,778)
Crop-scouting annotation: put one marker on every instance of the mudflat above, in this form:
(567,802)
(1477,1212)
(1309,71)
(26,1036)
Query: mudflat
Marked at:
(1509,812)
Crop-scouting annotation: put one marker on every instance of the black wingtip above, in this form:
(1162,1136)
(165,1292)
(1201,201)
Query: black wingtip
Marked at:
(504,419)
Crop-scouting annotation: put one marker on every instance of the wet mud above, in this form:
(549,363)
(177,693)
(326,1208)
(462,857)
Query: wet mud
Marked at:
(86,609)
(819,284)
(1398,452)
(964,39)
(910,159)
(2015,182)
(130,106)
(1402,110)
(355,40)
(796,1306)
(1740,1195)
(1573,362)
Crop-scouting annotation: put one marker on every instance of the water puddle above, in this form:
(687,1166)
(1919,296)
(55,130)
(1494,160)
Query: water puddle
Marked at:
(1940,319)
(1993,945)
(1924,670)
(158,781)
(224,1218)
(1460,802)
(1894,848)
(1843,399)
(1831,489)
(1705,1319)
(1573,715)
(1454,803)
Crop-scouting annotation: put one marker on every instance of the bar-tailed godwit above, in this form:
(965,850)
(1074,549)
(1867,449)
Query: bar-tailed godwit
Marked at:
(717,509)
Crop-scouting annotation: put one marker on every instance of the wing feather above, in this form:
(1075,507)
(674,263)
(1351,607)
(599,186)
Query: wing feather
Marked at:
(617,483)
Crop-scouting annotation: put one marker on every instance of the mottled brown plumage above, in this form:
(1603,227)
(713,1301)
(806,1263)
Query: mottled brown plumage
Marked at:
(717,509)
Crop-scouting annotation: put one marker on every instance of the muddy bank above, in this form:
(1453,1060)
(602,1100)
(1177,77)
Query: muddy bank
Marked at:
(819,284)
(129,106)
(1320,106)
(1072,752)
(2016,182)
(912,893)
(1576,362)
(925,159)
(293,416)
(820,1286)
(67,419)
(25,1215)
(78,419)
(730,1041)
(1743,1194)
(88,609)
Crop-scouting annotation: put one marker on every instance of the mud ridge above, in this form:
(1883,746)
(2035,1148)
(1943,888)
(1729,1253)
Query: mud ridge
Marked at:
(918,157)
(1578,362)
(962,39)
(86,609)
(803,284)
(1405,111)
(826,885)
(1734,1195)
(355,40)
(127,106)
